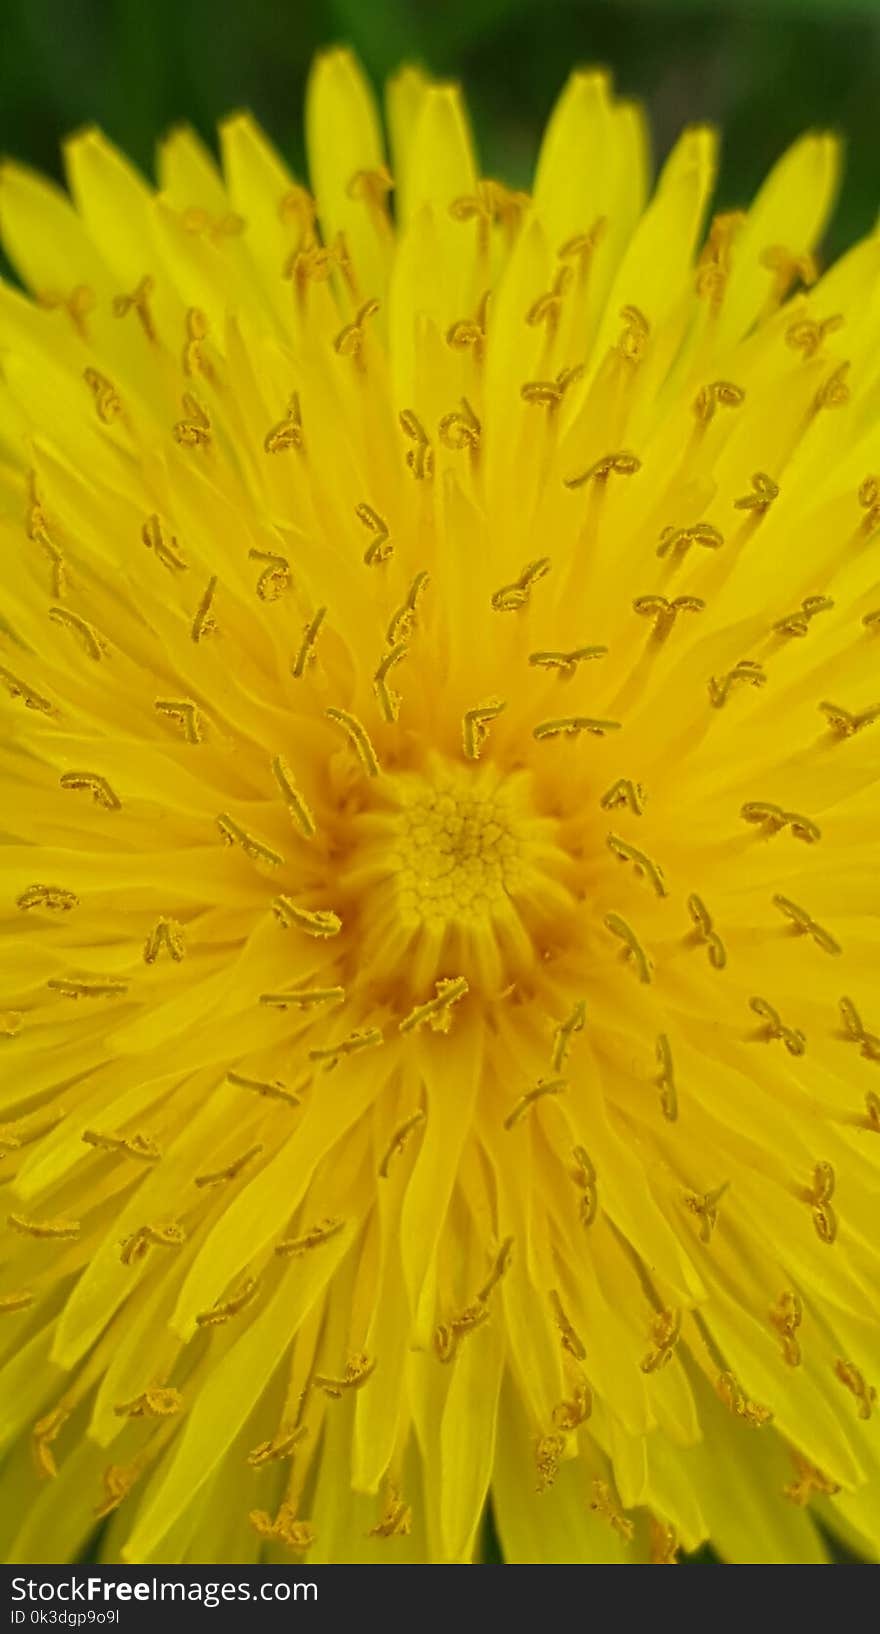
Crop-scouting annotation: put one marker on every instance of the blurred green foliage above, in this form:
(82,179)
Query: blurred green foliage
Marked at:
(763,69)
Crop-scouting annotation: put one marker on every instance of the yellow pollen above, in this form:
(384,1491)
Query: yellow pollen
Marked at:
(475,726)
(184,714)
(357,737)
(52,897)
(705,931)
(107,401)
(97,787)
(664,1543)
(282,1445)
(167,936)
(844,723)
(306,653)
(565,663)
(366,1038)
(664,613)
(156,1403)
(632,947)
(272,1091)
(437,1012)
(349,342)
(833,392)
(138,301)
(315,1237)
(819,1197)
(357,1371)
(318,922)
(165,550)
(20,689)
(786,1317)
(91,641)
(809,1480)
(76,988)
(850,1376)
(396,1517)
(195,430)
(747,672)
(275,577)
(403,622)
(288,433)
(794,1040)
(296,805)
(45,1432)
(204,623)
(731,1393)
(584,1177)
(705,1206)
(569,1414)
(139,1242)
(255,850)
(665,1331)
(285,1528)
(623,464)
(461,429)
(799,623)
(389,700)
(218,1177)
(644,867)
(399,1140)
(666,1079)
(718,394)
(869,1043)
(44,1230)
(223,1309)
(544,1086)
(773,820)
(677,541)
(572,725)
(634,336)
(568,1338)
(764,491)
(511,597)
(603,1504)
(624,793)
(565,1033)
(419,458)
(139,1146)
(380,547)
(803,923)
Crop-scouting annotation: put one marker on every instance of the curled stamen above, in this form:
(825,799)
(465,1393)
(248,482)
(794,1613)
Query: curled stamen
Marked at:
(549,393)
(357,737)
(167,934)
(869,1043)
(469,332)
(819,1196)
(389,700)
(319,922)
(568,1338)
(193,359)
(306,653)
(581,246)
(285,1528)
(195,431)
(634,337)
(437,1012)
(565,663)
(773,820)
(807,334)
(794,1040)
(366,1038)
(632,947)
(30,698)
(287,433)
(603,1503)
(185,714)
(256,850)
(869,499)
(833,392)
(45,1230)
(665,1331)
(399,1139)
(513,596)
(218,1177)
(666,1078)
(747,672)
(87,633)
(664,613)
(223,1309)
(460,430)
(844,723)
(396,1518)
(548,307)
(315,1237)
(549,1449)
(713,267)
(802,922)
(564,1034)
(568,1415)
(78,304)
(809,1480)
(274,1091)
(475,726)
(584,1176)
(357,1371)
(275,577)
(97,787)
(420,458)
(679,540)
(139,1146)
(107,400)
(705,1206)
(155,1403)
(730,1392)
(294,801)
(644,867)
(349,342)
(138,301)
(281,1445)
(622,464)
(45,1432)
(52,897)
(705,931)
(138,1243)
(571,725)
(764,491)
(380,547)
(403,622)
(786,1317)
(166,551)
(850,1376)
(718,394)
(624,793)
(544,1086)
(204,623)
(798,623)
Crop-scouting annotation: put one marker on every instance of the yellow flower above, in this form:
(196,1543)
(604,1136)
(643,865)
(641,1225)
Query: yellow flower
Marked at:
(441,742)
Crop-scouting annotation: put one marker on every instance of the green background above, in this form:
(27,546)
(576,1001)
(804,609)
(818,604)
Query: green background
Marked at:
(762,69)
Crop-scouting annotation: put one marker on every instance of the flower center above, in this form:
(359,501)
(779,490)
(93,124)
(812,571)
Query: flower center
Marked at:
(458,855)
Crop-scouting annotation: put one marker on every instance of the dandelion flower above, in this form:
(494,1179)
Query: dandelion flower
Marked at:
(441,738)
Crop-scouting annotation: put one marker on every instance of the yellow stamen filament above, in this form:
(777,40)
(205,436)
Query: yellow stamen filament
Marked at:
(107,401)
(349,342)
(461,429)
(869,1043)
(786,1317)
(357,737)
(764,491)
(448,1336)
(624,793)
(470,332)
(185,714)
(794,1040)
(274,1091)
(844,723)
(118,1482)
(548,307)
(20,689)
(318,922)
(664,613)
(788,268)
(89,637)
(869,499)
(165,550)
(195,430)
(357,1371)
(850,1376)
(634,338)
(809,1479)
(97,787)
(155,1403)
(475,726)
(380,547)
(644,867)
(799,623)
(399,1140)
(632,947)
(306,653)
(282,1445)
(833,392)
(571,725)
(419,458)
(773,820)
(396,1518)
(10,1303)
(705,1206)
(748,672)
(437,1012)
(603,1504)
(665,1331)
(872,1111)
(223,1309)
(403,622)
(74,988)
(137,1245)
(303,998)
(513,596)
(544,1086)
(52,897)
(285,1528)
(565,662)
(663,1543)
(584,1176)
(45,1432)
(367,1038)
(255,850)
(803,923)
(568,1338)
(138,301)
(564,1034)
(549,1449)
(622,464)
(45,1230)
(315,1237)
(819,1197)
(296,805)
(549,393)
(139,1146)
(167,936)
(219,1177)
(807,335)
(569,1414)
(287,433)
(705,931)
(275,577)
(730,1392)
(718,394)
(193,360)
(78,304)
(389,700)
(666,1079)
(677,541)
(204,623)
